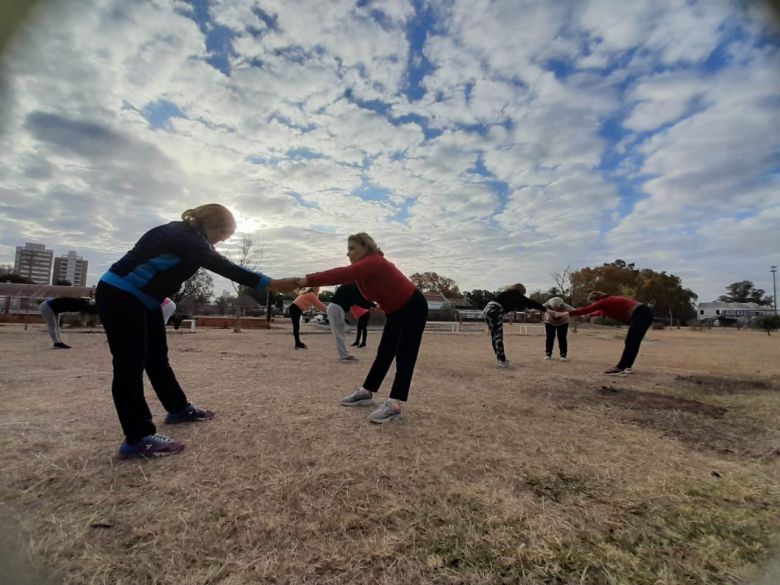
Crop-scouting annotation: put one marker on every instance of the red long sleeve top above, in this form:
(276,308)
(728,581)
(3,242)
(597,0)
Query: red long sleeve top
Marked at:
(377,278)
(613,307)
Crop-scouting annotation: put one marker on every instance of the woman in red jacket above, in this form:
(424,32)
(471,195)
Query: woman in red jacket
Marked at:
(629,311)
(406,310)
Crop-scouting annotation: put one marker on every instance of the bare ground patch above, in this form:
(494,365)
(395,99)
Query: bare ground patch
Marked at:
(524,476)
(718,385)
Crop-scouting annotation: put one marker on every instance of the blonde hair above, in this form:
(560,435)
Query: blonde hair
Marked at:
(595,295)
(518,286)
(366,241)
(211,215)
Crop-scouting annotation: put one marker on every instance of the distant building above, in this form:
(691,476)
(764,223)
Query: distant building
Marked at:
(436,300)
(72,268)
(34,261)
(718,311)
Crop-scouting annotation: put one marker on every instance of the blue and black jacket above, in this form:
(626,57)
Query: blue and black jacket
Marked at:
(168,255)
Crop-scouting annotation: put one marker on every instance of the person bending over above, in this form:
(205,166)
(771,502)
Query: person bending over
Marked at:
(406,309)
(512,299)
(628,311)
(128,298)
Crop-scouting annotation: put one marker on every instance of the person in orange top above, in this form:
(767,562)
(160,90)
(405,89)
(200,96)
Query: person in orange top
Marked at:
(303,301)
(407,311)
(631,312)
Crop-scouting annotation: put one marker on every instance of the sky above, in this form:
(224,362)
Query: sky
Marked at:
(491,142)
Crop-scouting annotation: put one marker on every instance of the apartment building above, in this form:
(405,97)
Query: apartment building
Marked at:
(34,261)
(70,267)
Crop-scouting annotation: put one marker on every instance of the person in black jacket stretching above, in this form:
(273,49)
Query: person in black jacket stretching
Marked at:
(512,299)
(128,298)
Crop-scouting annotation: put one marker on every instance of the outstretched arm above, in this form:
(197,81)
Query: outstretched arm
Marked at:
(283,285)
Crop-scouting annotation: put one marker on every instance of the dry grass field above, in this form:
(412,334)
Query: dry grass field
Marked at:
(546,473)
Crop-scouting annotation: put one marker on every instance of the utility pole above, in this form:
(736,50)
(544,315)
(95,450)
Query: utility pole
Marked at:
(773,269)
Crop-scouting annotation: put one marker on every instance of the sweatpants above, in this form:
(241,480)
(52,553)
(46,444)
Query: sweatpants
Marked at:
(295,316)
(640,322)
(137,340)
(561,331)
(338,323)
(401,340)
(494,317)
(52,321)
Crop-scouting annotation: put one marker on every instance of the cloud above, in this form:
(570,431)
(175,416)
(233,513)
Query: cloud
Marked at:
(491,141)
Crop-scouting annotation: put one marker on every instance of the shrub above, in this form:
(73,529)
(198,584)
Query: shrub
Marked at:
(769,323)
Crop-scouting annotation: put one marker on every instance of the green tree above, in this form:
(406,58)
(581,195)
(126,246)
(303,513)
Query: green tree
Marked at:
(224,302)
(744,292)
(617,278)
(196,291)
(479,297)
(542,296)
(769,323)
(664,292)
(432,282)
(325,296)
(15,278)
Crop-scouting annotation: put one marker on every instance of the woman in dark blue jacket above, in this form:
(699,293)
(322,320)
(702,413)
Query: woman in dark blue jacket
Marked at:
(128,298)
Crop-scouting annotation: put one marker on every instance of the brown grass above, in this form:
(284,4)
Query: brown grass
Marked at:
(546,473)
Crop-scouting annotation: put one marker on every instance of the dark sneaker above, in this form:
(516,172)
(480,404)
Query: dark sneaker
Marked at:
(348,359)
(362,345)
(190,414)
(359,398)
(355,344)
(150,446)
(386,413)
(61,345)
(616,372)
(300,346)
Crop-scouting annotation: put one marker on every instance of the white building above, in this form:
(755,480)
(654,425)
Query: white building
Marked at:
(742,312)
(34,262)
(72,268)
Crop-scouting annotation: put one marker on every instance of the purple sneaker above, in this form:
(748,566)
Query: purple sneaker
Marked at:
(190,414)
(150,446)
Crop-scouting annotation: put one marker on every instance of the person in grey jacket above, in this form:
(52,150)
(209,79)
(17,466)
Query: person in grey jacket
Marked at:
(556,324)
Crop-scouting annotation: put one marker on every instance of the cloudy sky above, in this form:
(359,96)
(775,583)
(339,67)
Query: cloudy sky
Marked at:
(488,141)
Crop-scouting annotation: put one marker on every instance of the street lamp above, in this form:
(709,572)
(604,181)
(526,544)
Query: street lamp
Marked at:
(773,269)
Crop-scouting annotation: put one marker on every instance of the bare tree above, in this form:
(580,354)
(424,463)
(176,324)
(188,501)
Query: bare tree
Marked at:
(562,282)
(247,253)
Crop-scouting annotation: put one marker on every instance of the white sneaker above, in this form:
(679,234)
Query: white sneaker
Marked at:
(348,359)
(504,364)
(628,371)
(388,412)
(547,358)
(359,397)
(564,358)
